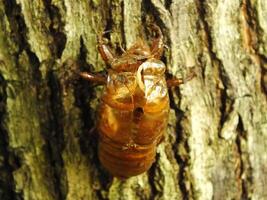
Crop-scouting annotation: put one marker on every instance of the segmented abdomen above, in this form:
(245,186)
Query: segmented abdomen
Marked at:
(127,146)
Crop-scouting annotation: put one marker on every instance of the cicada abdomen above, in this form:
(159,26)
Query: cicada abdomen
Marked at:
(133,117)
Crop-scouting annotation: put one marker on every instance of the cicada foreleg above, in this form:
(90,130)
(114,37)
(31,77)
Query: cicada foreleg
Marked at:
(104,50)
(174,82)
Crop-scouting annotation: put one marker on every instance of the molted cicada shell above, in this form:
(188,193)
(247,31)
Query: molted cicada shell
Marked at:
(134,108)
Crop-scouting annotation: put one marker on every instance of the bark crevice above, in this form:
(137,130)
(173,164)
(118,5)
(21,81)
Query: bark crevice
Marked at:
(17,26)
(242,177)
(55,137)
(251,39)
(181,141)
(8,161)
(151,179)
(56,29)
(153,15)
(225,104)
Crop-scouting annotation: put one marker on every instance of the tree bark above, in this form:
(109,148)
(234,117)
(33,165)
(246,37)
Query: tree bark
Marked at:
(215,146)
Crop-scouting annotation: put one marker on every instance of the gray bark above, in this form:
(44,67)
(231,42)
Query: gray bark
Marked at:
(215,146)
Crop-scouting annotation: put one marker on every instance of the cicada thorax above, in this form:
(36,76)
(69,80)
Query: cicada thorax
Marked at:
(132,118)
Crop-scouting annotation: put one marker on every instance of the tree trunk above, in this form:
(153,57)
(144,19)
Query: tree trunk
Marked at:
(216,143)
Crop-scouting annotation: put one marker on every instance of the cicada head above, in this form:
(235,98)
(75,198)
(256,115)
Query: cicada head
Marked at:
(130,60)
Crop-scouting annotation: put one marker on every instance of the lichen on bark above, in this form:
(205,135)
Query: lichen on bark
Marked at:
(215,146)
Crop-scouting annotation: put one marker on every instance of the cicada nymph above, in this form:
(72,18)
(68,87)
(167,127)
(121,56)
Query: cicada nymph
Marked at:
(134,108)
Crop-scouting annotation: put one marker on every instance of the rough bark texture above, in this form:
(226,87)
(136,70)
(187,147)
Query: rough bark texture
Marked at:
(216,143)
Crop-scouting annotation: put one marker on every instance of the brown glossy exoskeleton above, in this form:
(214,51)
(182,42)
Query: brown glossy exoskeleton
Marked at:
(134,108)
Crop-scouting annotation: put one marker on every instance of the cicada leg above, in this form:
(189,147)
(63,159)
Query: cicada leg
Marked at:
(104,50)
(157,44)
(95,78)
(174,82)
